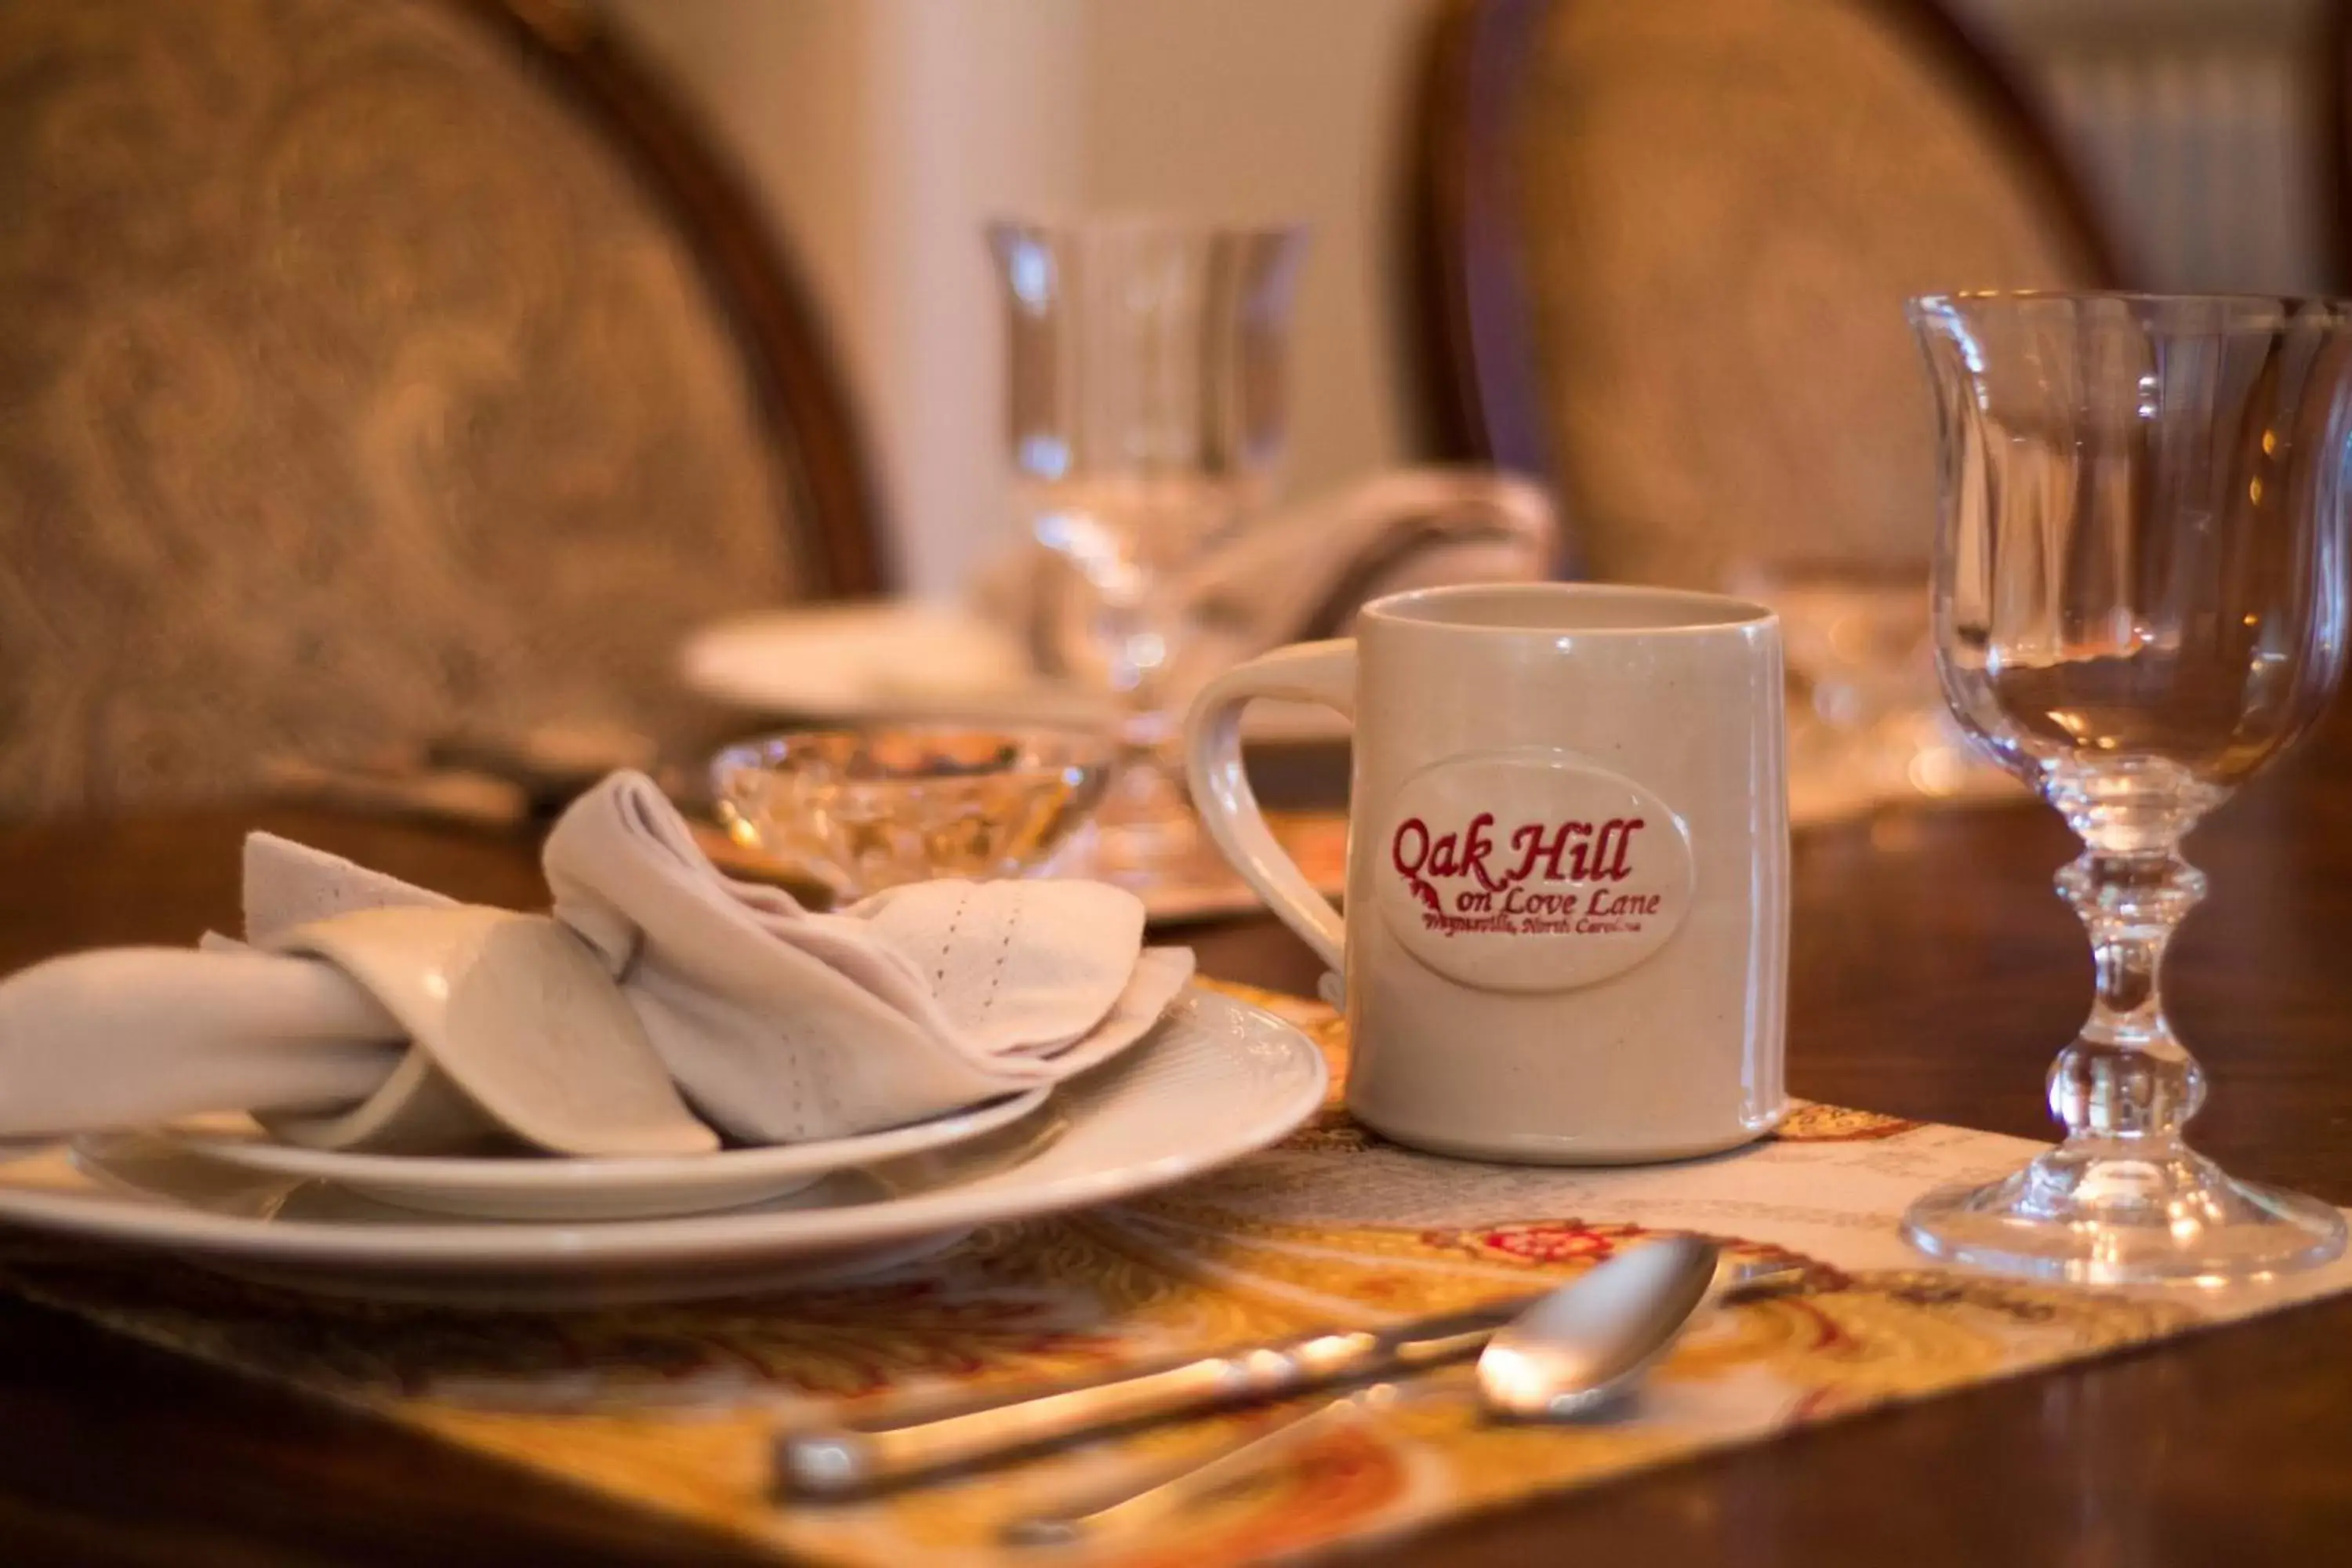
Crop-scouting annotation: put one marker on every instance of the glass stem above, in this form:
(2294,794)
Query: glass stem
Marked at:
(2126,1077)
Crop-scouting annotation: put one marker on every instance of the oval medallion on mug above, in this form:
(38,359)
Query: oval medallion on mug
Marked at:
(1532,869)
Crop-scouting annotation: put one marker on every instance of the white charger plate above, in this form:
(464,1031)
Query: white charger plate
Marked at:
(525,1186)
(1218,1080)
(900,661)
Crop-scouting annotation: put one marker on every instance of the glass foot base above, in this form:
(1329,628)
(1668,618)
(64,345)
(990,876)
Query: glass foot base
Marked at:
(1146,835)
(1148,863)
(2103,1214)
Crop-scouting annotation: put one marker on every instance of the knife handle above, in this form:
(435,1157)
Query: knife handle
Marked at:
(844,1460)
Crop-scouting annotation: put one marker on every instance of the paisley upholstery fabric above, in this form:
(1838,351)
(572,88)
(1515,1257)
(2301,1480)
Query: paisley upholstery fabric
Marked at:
(352,392)
(1721,207)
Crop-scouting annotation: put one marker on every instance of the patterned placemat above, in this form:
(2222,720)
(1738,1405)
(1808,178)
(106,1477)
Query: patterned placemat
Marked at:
(669,1407)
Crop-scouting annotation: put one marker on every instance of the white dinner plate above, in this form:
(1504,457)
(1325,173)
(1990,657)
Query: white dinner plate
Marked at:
(1216,1080)
(901,662)
(527,1187)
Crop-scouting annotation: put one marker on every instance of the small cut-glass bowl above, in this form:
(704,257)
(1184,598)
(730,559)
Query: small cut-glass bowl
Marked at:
(861,810)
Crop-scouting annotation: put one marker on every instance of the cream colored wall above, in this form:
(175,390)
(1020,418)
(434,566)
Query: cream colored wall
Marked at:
(882,132)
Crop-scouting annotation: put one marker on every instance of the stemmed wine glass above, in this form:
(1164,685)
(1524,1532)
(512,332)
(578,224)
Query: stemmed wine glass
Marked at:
(1146,413)
(2140,598)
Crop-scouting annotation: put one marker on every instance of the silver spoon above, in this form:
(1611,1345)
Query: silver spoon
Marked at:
(1573,1351)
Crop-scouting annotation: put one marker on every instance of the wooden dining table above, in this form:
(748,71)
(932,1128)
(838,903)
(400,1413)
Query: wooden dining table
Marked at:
(1933,975)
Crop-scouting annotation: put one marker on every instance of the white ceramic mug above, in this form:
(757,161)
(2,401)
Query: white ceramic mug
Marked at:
(1568,870)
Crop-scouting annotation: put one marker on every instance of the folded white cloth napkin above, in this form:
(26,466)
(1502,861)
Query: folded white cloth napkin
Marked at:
(775,1023)
(781,1024)
(1304,572)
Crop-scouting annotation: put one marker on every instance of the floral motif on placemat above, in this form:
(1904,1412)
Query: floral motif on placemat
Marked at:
(1552,1241)
(1809,1122)
(1332,1130)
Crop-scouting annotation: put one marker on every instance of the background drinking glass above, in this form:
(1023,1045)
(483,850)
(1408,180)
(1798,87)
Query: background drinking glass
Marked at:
(2140,598)
(1145,404)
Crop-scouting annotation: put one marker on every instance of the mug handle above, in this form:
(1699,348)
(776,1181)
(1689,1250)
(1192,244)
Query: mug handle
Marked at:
(1319,672)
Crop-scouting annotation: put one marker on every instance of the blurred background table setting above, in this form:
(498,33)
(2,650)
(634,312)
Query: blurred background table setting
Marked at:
(614,905)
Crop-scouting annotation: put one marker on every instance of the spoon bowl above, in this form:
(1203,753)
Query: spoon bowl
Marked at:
(1582,1345)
